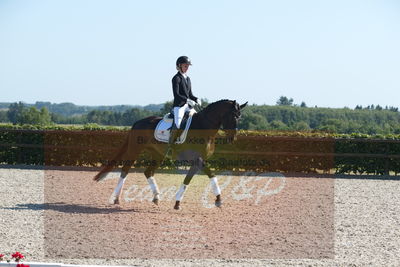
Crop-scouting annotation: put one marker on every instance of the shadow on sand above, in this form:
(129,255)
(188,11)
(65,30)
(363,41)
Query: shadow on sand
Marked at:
(71,208)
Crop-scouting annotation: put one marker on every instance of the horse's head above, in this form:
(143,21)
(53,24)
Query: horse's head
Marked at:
(230,118)
(224,113)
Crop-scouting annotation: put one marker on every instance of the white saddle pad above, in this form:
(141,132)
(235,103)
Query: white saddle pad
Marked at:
(162,130)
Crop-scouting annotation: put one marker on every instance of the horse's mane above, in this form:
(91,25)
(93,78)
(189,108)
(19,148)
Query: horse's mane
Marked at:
(210,106)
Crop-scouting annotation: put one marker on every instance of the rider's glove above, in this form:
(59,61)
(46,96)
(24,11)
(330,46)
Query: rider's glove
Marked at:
(191,102)
(198,102)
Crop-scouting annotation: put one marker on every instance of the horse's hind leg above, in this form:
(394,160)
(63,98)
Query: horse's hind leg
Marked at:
(198,165)
(214,185)
(149,173)
(115,197)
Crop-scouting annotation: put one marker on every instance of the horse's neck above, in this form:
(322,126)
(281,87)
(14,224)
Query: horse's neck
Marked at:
(207,120)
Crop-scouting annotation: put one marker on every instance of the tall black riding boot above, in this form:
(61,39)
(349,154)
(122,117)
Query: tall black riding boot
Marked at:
(174,134)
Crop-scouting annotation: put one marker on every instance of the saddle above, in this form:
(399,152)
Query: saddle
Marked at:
(163,128)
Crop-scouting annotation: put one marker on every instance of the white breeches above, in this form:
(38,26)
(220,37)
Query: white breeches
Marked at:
(179,112)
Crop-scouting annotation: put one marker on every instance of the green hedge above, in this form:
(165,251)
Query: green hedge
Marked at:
(372,156)
(260,151)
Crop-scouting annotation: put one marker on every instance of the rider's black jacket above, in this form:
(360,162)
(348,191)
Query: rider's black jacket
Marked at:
(182,89)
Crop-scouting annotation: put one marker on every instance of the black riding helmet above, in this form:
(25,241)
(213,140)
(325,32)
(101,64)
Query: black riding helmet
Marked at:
(183,60)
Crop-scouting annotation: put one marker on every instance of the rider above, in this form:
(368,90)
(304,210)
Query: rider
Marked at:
(183,96)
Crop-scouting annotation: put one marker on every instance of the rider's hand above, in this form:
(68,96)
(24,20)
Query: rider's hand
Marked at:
(198,102)
(191,102)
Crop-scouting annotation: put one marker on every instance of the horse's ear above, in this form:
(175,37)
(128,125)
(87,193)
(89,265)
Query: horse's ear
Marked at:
(244,105)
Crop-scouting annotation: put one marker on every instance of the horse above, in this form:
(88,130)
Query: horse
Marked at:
(200,145)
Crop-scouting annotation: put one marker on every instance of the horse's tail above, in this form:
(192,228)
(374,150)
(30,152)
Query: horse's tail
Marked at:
(112,163)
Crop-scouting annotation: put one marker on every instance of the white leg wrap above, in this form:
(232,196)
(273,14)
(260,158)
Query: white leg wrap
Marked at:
(153,185)
(181,192)
(215,186)
(119,186)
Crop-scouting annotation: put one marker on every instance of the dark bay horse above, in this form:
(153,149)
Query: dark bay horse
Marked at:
(198,147)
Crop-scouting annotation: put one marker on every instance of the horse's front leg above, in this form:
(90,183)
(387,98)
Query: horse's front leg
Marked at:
(179,195)
(149,173)
(154,188)
(214,185)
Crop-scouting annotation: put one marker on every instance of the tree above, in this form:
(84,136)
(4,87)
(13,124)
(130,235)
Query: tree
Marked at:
(129,117)
(278,125)
(15,111)
(301,126)
(94,116)
(253,121)
(204,102)
(34,116)
(45,116)
(18,113)
(167,108)
(3,116)
(284,101)
(331,125)
(303,104)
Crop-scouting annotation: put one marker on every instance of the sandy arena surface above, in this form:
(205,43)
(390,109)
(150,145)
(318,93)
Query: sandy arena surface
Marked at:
(62,216)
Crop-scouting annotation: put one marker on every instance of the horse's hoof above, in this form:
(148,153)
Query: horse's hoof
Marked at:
(218,201)
(113,200)
(177,206)
(155,201)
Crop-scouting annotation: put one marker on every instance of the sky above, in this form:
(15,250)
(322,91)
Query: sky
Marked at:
(339,53)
